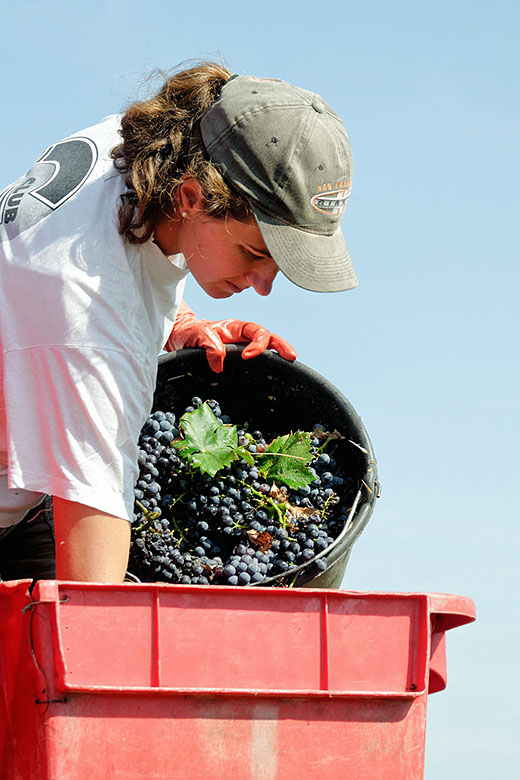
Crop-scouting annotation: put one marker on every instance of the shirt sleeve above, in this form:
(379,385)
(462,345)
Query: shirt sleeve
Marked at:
(73,421)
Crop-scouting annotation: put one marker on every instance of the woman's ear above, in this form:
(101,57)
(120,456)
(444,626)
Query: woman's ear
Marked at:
(189,198)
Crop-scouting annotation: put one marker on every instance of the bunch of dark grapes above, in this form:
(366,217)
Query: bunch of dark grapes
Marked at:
(191,528)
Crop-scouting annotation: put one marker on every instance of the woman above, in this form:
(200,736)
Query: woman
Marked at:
(227,178)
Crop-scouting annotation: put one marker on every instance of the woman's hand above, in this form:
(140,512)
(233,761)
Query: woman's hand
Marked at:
(188,331)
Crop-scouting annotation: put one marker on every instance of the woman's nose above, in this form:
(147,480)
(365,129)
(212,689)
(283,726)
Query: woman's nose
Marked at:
(262,278)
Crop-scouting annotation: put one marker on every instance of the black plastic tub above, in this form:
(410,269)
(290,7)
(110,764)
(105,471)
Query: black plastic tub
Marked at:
(276,396)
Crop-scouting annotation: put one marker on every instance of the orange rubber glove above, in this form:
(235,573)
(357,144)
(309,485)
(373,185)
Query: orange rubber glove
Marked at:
(188,331)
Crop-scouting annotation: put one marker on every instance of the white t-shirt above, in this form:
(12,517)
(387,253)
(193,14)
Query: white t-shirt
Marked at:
(83,316)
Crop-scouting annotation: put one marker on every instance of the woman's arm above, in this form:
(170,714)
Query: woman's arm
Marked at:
(91,546)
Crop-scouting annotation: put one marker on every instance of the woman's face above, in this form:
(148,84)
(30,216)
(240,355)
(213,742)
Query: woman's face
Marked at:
(226,256)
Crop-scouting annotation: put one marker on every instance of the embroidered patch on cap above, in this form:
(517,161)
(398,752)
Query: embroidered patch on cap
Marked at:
(332,201)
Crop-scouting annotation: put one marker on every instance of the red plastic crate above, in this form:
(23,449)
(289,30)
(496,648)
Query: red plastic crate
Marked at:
(169,681)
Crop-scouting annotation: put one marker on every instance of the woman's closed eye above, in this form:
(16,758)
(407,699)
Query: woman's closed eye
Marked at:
(256,254)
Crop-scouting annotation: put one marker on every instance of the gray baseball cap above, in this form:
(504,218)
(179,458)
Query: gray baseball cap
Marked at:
(288,153)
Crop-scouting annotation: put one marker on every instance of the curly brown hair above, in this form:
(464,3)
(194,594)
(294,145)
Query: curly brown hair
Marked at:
(162,145)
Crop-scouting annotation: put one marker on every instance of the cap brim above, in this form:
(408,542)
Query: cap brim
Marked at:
(317,263)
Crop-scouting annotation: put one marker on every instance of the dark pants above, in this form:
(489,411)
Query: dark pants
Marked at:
(27,551)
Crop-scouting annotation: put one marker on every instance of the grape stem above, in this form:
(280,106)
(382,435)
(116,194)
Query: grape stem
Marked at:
(320,449)
(328,500)
(268,501)
(178,529)
(146,512)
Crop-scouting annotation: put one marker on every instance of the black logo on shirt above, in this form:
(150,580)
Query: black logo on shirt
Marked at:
(59,173)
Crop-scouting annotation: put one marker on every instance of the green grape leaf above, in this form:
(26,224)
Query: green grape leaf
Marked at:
(285,460)
(244,453)
(206,444)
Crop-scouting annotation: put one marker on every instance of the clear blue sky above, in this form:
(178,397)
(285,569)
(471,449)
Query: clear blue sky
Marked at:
(426,348)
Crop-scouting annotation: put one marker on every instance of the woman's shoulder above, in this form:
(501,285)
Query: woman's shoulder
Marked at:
(63,174)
